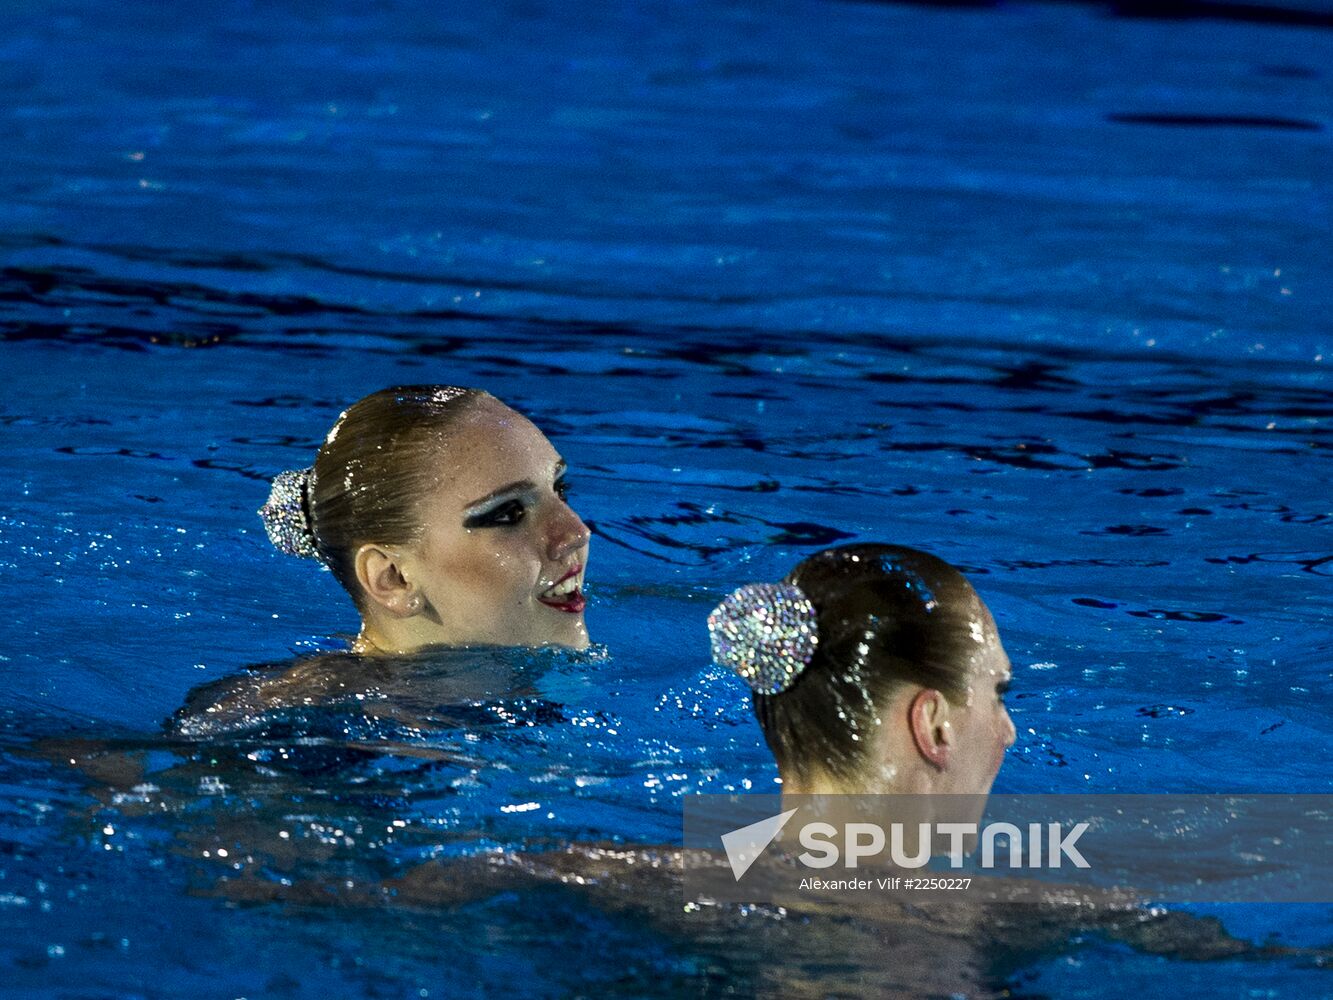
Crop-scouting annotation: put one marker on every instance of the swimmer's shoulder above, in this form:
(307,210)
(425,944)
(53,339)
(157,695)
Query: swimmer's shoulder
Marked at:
(238,700)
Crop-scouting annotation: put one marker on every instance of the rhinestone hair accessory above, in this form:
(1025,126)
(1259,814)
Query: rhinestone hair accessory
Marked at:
(285,517)
(766,632)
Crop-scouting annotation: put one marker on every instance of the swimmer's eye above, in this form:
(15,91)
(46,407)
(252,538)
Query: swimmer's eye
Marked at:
(504,515)
(1002,689)
(562,487)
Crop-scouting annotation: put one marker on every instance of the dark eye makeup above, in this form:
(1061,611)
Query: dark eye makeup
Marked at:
(508,513)
(505,514)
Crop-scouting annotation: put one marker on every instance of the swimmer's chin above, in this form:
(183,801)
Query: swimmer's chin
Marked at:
(579,641)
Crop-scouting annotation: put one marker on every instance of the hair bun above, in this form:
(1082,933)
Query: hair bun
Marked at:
(766,632)
(286,514)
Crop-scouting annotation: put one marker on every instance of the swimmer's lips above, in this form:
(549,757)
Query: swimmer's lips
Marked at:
(571,603)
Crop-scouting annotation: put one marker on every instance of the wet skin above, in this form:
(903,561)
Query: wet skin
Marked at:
(501,556)
(981,727)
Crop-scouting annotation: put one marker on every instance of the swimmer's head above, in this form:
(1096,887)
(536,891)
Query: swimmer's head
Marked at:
(442,513)
(874,668)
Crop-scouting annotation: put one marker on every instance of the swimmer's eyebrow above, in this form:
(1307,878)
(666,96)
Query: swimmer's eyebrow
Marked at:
(521,486)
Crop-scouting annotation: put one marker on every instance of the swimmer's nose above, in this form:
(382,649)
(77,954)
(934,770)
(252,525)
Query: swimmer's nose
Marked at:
(1010,732)
(568,533)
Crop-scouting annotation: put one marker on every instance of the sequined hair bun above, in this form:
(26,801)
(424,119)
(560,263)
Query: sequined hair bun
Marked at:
(766,632)
(286,515)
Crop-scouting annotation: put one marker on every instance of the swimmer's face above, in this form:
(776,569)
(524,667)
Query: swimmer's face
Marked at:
(502,556)
(981,728)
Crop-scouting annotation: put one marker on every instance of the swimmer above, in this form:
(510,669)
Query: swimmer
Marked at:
(443,514)
(875,669)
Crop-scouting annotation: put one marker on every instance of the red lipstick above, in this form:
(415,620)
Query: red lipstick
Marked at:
(570,603)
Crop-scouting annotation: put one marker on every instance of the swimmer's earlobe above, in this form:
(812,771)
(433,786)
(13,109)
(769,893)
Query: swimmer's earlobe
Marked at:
(379,572)
(928,720)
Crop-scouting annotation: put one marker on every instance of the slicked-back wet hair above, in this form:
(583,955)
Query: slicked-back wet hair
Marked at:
(375,467)
(888,616)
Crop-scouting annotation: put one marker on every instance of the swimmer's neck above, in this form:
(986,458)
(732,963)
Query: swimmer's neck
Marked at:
(842,802)
(376,641)
(367,643)
(382,635)
(890,781)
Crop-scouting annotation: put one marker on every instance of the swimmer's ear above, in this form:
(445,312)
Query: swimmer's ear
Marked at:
(928,719)
(379,572)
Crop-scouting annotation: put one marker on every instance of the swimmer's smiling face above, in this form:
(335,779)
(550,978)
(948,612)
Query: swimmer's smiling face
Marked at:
(501,556)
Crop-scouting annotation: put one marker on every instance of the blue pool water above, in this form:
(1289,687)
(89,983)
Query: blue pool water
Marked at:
(1036,287)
